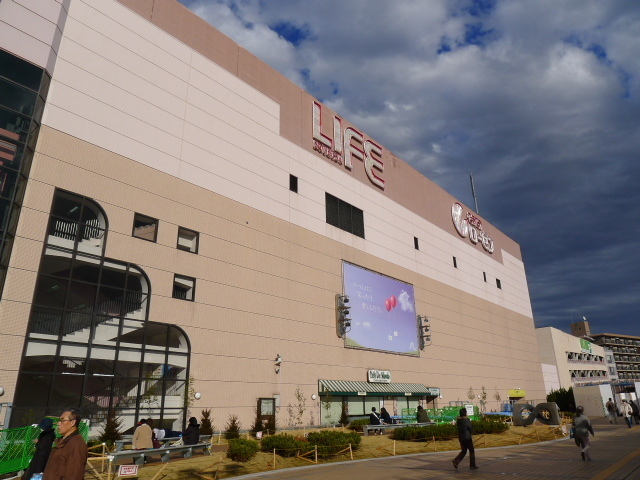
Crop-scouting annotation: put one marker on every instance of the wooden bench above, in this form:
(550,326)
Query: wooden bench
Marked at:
(139,457)
(386,426)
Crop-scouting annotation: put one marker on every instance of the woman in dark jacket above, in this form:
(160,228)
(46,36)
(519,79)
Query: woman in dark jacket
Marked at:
(43,449)
(582,429)
(191,435)
(386,418)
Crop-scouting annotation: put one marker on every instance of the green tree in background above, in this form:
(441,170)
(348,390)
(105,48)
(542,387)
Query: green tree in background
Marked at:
(564,399)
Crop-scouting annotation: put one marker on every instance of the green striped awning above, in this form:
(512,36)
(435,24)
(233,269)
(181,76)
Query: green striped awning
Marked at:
(346,387)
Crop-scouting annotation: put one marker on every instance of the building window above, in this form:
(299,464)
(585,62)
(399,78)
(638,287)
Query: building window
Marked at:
(415,243)
(188,240)
(484,275)
(184,288)
(145,227)
(293,183)
(498,283)
(455,262)
(344,215)
(89,342)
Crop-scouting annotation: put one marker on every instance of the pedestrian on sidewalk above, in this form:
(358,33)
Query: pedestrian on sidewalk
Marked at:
(611,411)
(465,432)
(627,411)
(582,429)
(636,411)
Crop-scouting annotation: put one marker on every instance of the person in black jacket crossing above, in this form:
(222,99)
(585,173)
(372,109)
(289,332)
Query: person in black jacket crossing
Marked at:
(465,432)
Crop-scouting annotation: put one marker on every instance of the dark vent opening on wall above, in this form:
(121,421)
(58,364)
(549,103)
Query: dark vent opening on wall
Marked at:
(344,216)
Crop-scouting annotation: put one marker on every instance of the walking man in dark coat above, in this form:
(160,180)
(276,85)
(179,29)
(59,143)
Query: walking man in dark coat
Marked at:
(465,432)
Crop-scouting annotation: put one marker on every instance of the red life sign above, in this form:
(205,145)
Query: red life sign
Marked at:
(347,144)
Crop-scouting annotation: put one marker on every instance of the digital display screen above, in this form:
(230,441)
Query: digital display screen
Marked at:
(383,312)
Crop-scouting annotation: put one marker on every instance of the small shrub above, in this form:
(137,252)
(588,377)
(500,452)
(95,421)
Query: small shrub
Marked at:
(232,428)
(242,450)
(206,427)
(330,442)
(285,445)
(270,425)
(111,430)
(356,425)
(258,424)
(344,418)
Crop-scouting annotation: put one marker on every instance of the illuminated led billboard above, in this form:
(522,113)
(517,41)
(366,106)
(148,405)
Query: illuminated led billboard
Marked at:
(383,313)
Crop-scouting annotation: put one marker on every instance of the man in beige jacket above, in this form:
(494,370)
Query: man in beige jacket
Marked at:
(143,436)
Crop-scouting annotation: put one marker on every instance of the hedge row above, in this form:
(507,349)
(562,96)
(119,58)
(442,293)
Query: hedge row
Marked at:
(330,442)
(285,445)
(447,430)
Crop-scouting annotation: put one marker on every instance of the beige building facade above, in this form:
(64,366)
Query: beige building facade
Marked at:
(187,221)
(568,361)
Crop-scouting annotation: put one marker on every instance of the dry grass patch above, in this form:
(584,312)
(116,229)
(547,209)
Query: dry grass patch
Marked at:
(375,446)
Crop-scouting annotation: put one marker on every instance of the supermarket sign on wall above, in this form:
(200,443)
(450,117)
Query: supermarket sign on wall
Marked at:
(585,346)
(343,145)
(468,225)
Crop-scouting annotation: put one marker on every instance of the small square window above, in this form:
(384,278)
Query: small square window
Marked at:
(484,274)
(455,262)
(293,183)
(145,227)
(415,243)
(184,288)
(498,283)
(188,240)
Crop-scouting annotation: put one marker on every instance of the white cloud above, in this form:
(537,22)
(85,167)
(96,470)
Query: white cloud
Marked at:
(543,108)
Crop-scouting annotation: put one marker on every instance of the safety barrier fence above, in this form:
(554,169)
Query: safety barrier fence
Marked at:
(17,446)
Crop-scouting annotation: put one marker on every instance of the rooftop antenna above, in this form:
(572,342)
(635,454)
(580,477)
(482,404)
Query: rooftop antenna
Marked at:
(473,192)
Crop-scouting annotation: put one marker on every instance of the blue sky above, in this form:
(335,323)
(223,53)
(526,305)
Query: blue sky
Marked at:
(540,100)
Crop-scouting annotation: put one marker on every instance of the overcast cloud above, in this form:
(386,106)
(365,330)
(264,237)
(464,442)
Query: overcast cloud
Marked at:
(539,99)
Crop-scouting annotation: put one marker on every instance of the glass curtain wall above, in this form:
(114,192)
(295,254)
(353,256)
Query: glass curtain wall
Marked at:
(90,343)
(23,91)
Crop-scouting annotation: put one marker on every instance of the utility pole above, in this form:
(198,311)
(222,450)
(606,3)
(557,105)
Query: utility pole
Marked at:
(473,192)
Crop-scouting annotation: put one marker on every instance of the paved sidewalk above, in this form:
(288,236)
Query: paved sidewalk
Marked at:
(615,450)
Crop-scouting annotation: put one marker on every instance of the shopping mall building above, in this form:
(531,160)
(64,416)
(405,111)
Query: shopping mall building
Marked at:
(180,225)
